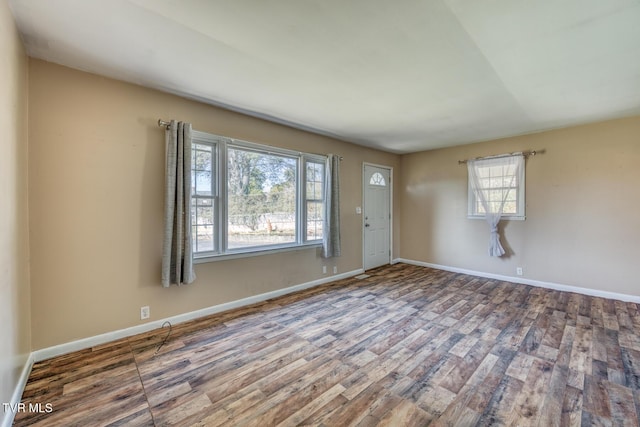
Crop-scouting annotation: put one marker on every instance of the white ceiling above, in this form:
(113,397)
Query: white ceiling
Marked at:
(400,76)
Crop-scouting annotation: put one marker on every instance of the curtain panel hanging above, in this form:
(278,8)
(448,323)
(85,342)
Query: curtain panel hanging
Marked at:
(492,199)
(177,249)
(331,226)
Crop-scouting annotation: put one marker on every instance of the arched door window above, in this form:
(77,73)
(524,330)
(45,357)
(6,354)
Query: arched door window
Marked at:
(377,179)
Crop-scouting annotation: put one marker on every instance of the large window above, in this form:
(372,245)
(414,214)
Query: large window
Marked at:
(248,197)
(261,198)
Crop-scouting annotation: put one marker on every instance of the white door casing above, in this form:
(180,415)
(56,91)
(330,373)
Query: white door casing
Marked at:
(376,216)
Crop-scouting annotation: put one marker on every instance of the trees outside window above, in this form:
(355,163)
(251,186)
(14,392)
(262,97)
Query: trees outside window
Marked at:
(250,197)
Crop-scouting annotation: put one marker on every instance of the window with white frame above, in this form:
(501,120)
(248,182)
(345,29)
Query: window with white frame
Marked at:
(248,197)
(499,182)
(314,199)
(204,196)
(377,179)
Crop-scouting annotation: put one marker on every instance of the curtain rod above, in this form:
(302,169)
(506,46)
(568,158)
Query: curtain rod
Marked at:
(529,153)
(165,124)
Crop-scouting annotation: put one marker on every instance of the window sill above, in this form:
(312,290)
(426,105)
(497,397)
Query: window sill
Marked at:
(504,218)
(202,259)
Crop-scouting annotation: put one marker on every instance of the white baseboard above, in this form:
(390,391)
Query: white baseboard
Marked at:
(7,414)
(47,353)
(537,283)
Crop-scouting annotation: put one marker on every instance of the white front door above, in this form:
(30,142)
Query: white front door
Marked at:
(377,218)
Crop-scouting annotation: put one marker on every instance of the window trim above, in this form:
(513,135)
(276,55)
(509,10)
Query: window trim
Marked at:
(521,192)
(220,146)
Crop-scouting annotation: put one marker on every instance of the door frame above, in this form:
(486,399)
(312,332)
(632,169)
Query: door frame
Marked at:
(364,190)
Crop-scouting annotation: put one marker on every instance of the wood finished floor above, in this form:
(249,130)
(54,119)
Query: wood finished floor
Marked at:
(407,346)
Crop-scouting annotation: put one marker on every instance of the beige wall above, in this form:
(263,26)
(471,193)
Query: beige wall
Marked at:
(96,172)
(96,177)
(583,221)
(14,236)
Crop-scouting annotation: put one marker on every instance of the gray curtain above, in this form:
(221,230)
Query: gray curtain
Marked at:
(331,235)
(177,249)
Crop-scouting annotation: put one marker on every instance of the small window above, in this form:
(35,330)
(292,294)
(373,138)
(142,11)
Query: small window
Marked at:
(204,198)
(500,180)
(314,199)
(378,180)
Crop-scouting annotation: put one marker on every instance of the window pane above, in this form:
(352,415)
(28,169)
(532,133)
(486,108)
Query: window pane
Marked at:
(315,172)
(203,183)
(203,155)
(509,181)
(495,196)
(510,208)
(495,182)
(202,170)
(314,191)
(261,204)
(314,178)
(310,190)
(377,179)
(314,220)
(202,224)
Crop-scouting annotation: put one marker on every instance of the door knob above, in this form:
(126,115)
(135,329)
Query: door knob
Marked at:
(366,225)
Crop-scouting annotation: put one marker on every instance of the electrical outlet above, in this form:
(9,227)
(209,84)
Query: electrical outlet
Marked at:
(144,312)
(519,271)
(335,270)
(324,269)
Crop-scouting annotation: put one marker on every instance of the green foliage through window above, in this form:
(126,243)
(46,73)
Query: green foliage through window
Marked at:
(266,198)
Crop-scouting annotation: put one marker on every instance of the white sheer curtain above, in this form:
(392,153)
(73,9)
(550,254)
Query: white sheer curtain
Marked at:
(493,195)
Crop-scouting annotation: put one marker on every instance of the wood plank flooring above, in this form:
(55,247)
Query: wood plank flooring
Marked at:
(407,346)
